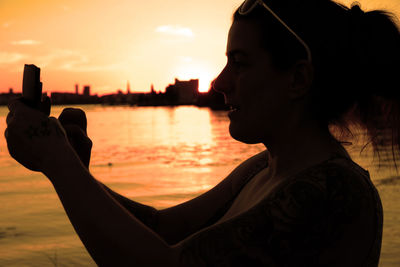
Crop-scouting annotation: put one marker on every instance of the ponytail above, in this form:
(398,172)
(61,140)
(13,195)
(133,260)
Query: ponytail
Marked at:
(377,103)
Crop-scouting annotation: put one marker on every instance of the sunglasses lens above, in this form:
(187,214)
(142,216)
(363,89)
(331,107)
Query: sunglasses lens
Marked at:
(247,6)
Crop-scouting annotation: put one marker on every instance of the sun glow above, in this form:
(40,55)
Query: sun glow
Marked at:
(205,77)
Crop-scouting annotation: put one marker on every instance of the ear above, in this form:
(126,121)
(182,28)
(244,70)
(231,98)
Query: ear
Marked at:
(301,78)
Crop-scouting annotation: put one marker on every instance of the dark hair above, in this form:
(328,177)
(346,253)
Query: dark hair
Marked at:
(356,60)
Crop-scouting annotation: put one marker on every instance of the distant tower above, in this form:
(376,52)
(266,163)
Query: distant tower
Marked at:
(77,89)
(11,91)
(128,88)
(86,90)
(152,89)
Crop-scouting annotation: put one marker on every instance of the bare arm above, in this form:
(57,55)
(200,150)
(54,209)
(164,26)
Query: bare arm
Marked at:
(74,123)
(146,214)
(177,223)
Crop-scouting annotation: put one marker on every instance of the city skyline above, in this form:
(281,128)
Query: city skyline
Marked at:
(107,44)
(79,89)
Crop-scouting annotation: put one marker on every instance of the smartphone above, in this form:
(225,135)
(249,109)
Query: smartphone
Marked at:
(31,86)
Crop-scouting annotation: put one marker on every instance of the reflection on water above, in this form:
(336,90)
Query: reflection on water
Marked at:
(156,155)
(179,137)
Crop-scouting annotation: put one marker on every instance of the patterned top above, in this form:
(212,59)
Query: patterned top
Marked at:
(327,215)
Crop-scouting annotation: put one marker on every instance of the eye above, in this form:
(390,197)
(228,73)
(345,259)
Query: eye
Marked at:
(236,63)
(237,59)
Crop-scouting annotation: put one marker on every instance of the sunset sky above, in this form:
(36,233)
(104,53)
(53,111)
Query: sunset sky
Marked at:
(105,44)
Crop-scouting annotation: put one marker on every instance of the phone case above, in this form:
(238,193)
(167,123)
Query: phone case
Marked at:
(31,85)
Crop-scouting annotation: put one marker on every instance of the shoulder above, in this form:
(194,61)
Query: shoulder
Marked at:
(344,182)
(248,169)
(348,211)
(337,186)
(255,161)
(319,214)
(334,176)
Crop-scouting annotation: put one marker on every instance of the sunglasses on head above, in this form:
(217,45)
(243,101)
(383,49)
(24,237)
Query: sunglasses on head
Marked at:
(248,5)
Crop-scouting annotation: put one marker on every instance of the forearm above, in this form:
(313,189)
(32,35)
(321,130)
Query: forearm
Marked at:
(171,224)
(146,214)
(112,235)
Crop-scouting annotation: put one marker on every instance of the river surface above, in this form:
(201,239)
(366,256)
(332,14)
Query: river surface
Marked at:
(160,156)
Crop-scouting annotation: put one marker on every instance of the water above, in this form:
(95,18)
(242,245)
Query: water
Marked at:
(158,156)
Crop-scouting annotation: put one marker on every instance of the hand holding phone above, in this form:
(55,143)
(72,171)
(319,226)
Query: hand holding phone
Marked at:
(32,90)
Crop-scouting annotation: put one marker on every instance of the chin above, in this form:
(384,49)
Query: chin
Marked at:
(244,135)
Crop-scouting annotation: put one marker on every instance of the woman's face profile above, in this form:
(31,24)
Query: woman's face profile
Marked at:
(253,86)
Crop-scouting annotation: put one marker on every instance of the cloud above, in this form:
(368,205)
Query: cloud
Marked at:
(175,30)
(7,58)
(65,7)
(26,42)
(7,24)
(63,59)
(60,59)
(186,59)
(74,61)
(76,67)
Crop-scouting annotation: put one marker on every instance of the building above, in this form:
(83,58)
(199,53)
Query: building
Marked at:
(5,98)
(128,88)
(59,98)
(183,92)
(86,90)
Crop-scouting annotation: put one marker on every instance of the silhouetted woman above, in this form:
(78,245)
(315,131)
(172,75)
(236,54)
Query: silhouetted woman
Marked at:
(295,68)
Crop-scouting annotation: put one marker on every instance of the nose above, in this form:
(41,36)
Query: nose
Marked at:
(222,83)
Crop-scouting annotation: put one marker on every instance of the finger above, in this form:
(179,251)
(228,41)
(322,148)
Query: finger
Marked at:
(13,103)
(80,142)
(9,117)
(73,116)
(17,106)
(77,134)
(73,130)
(59,128)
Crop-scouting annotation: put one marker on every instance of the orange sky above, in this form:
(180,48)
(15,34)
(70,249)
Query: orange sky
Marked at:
(107,43)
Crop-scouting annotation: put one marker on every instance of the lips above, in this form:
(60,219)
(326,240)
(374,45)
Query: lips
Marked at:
(233,110)
(232,107)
